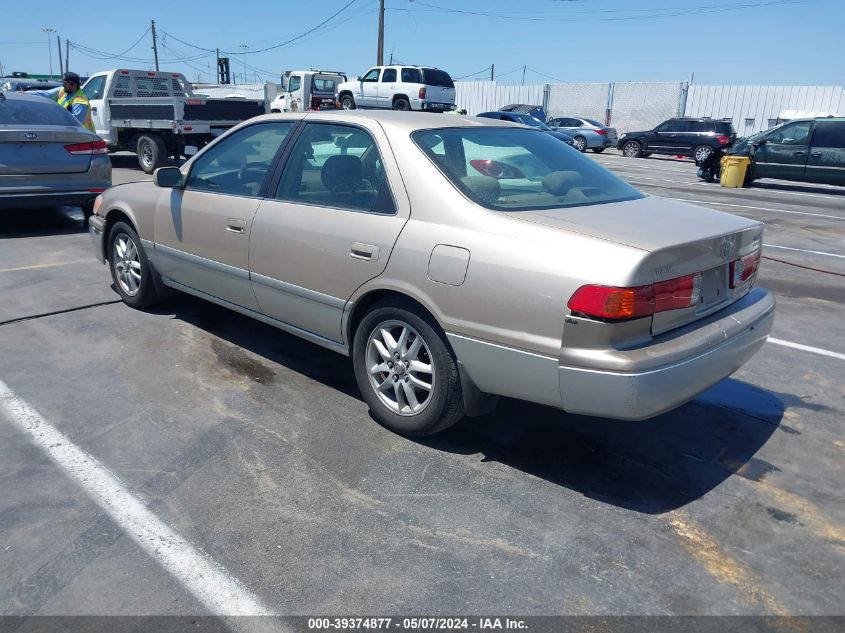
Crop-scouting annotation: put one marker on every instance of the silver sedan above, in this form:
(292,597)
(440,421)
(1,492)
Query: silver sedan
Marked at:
(47,157)
(455,260)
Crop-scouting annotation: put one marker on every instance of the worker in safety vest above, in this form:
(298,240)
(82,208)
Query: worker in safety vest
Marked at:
(71,98)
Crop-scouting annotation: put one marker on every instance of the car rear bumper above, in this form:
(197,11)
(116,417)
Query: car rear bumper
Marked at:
(702,357)
(73,198)
(437,107)
(95,231)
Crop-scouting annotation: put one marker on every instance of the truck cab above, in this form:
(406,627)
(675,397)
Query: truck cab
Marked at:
(307,90)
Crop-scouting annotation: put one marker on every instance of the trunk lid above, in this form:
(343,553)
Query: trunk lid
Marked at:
(683,239)
(40,149)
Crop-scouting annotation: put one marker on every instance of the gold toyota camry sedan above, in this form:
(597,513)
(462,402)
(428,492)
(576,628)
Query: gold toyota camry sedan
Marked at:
(456,259)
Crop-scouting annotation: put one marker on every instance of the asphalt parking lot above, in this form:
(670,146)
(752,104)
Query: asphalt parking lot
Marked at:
(255,450)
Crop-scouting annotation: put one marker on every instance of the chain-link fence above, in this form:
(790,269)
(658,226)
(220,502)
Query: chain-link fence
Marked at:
(589,101)
(643,105)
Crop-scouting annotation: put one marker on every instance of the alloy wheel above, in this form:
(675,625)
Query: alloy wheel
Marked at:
(631,149)
(127,264)
(400,367)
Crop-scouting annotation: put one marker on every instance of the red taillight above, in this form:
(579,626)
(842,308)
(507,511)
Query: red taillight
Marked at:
(723,140)
(495,169)
(188,128)
(744,269)
(422,92)
(608,302)
(602,132)
(94,147)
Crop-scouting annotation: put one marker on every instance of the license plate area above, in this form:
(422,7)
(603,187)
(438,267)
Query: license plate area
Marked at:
(714,289)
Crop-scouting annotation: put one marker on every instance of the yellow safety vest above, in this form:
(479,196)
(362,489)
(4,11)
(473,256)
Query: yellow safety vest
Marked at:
(67,101)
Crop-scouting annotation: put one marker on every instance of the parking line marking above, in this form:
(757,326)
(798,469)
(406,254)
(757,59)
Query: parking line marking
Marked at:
(37,266)
(745,206)
(807,348)
(804,250)
(203,577)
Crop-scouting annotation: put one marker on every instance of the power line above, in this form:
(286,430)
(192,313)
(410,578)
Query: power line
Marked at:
(483,70)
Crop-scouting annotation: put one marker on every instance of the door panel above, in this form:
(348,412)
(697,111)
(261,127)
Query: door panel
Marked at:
(369,89)
(784,154)
(331,228)
(826,163)
(387,88)
(202,231)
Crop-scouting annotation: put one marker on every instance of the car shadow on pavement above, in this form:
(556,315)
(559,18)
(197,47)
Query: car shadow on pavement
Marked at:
(797,188)
(42,221)
(652,466)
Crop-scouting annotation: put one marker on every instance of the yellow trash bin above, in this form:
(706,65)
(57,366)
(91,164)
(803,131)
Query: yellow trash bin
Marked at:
(733,171)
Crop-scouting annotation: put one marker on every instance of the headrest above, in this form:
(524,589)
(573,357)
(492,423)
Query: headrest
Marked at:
(484,187)
(342,173)
(559,183)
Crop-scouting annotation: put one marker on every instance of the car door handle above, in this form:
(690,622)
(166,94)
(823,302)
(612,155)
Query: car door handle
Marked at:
(94,110)
(235,226)
(815,154)
(799,154)
(364,251)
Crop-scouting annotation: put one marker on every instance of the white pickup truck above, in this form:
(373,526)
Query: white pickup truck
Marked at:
(157,114)
(399,88)
(308,90)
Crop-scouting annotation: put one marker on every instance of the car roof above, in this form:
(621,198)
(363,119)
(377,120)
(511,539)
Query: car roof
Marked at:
(400,122)
(23,96)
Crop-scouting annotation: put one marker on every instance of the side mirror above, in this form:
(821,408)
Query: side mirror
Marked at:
(169,177)
(359,79)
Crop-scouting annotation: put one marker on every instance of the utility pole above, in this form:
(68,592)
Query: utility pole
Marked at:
(523,75)
(244,47)
(492,71)
(155,44)
(49,33)
(67,54)
(380,53)
(61,64)
(217,66)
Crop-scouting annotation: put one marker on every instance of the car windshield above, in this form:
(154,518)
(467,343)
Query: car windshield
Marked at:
(31,111)
(527,119)
(511,169)
(434,77)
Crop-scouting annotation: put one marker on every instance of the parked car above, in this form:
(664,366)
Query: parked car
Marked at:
(530,121)
(587,133)
(519,272)
(536,111)
(47,157)
(399,88)
(684,136)
(25,85)
(806,150)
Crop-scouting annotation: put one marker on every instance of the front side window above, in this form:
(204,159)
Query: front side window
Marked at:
(666,126)
(336,166)
(294,83)
(239,164)
(829,134)
(389,75)
(791,134)
(94,87)
(507,169)
(371,76)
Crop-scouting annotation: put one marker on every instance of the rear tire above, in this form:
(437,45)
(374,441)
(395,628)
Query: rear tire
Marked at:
(406,370)
(402,104)
(347,102)
(598,150)
(152,152)
(700,153)
(580,143)
(632,149)
(130,269)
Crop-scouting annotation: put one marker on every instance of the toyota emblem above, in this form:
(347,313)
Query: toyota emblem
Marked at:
(726,247)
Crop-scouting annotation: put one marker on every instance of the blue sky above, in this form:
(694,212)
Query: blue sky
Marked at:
(720,41)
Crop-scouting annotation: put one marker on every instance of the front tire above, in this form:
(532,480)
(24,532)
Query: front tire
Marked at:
(580,143)
(406,370)
(152,152)
(347,102)
(130,268)
(632,149)
(598,150)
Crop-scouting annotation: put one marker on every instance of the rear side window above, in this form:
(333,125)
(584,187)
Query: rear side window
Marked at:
(389,75)
(829,134)
(434,77)
(40,111)
(594,122)
(411,76)
(512,169)
(727,127)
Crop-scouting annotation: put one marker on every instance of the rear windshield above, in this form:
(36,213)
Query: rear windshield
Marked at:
(527,119)
(725,127)
(322,84)
(433,77)
(511,169)
(39,111)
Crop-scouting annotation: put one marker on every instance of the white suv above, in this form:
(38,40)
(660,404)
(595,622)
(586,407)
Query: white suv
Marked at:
(399,88)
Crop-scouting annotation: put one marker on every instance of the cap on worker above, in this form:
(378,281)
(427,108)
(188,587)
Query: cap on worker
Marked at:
(71,77)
